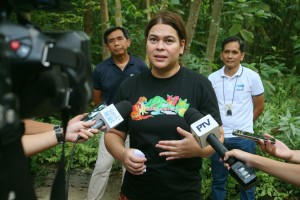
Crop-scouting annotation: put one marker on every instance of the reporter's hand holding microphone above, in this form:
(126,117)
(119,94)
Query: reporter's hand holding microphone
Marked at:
(206,132)
(105,117)
(85,129)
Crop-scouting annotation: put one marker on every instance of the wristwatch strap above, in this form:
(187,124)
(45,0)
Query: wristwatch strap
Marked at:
(59,133)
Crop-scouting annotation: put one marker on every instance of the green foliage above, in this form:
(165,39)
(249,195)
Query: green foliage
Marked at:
(205,173)
(53,21)
(245,16)
(290,127)
(267,74)
(247,35)
(200,65)
(85,155)
(269,186)
(296,50)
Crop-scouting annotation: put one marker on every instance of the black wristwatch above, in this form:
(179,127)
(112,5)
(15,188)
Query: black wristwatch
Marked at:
(59,133)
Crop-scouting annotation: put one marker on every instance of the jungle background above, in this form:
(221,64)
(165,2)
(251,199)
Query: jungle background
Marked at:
(270,29)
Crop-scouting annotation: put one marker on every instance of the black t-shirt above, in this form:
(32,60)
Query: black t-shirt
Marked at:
(158,108)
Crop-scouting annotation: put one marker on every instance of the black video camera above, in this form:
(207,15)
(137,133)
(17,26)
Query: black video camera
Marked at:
(46,71)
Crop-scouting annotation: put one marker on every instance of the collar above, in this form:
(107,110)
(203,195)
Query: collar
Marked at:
(238,73)
(130,62)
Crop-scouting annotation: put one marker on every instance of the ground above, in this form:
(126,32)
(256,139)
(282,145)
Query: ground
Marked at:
(78,185)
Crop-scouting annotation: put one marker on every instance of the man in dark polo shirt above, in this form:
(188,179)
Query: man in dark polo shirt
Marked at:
(107,77)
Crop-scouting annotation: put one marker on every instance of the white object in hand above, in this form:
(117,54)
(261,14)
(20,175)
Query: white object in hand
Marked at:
(139,154)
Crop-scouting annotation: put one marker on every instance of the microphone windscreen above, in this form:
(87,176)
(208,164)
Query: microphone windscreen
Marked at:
(192,115)
(124,108)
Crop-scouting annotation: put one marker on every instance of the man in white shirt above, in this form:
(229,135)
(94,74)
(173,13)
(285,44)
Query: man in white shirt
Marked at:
(240,95)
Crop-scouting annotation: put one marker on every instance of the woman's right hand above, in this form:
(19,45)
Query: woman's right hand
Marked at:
(133,164)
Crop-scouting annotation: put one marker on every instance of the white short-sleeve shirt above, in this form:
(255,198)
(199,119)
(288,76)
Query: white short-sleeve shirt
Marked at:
(236,92)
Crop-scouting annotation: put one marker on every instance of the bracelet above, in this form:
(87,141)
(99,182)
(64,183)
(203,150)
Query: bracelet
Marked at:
(59,134)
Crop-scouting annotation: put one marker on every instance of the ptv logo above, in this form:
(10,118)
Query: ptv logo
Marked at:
(203,125)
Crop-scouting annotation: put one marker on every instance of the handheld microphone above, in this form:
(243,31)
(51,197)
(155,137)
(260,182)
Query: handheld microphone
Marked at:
(95,115)
(205,130)
(111,116)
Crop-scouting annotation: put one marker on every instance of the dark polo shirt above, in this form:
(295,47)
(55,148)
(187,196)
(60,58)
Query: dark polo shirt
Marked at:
(107,76)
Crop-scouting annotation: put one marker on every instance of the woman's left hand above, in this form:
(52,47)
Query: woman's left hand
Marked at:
(176,149)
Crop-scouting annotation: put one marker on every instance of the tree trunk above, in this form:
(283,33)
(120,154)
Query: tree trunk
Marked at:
(147,8)
(104,26)
(213,31)
(148,4)
(87,17)
(192,23)
(118,13)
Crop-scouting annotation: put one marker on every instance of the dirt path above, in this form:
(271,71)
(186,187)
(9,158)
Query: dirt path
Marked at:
(78,186)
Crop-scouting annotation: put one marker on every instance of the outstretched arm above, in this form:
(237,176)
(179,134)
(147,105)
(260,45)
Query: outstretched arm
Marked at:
(34,127)
(34,142)
(285,171)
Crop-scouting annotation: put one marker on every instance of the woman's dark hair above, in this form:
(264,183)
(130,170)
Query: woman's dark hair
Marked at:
(112,29)
(233,39)
(168,18)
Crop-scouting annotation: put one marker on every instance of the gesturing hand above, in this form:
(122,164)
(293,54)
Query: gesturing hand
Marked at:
(176,149)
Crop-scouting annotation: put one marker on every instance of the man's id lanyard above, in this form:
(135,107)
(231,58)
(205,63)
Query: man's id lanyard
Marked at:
(228,107)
